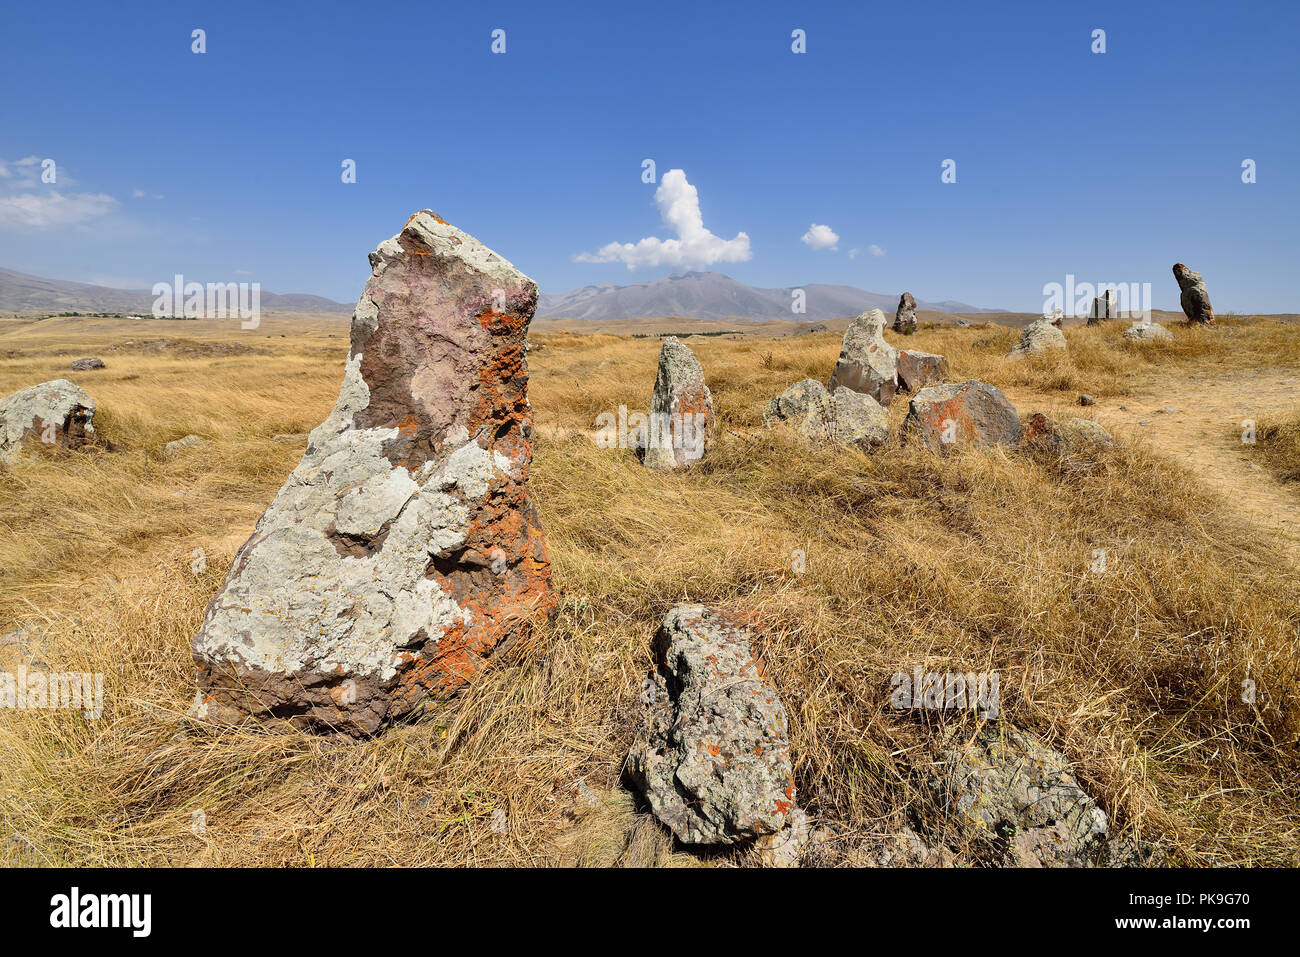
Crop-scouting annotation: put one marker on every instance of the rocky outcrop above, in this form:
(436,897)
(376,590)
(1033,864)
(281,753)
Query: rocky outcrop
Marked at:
(1020,798)
(1055,436)
(57,414)
(942,417)
(713,755)
(403,551)
(683,428)
(842,417)
(905,317)
(1193,297)
(1147,332)
(918,370)
(867,364)
(86,364)
(1040,336)
(1103,307)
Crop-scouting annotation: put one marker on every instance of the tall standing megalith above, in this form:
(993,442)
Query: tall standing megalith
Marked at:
(403,551)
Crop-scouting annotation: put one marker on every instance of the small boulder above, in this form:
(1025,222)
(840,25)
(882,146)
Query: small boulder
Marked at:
(55,413)
(682,426)
(175,448)
(1086,399)
(967,412)
(86,364)
(1192,296)
(842,417)
(713,755)
(917,370)
(1040,336)
(867,364)
(816,327)
(905,317)
(1147,332)
(1057,435)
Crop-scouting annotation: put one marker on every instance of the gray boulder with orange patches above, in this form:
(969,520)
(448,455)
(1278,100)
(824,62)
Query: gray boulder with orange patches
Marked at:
(683,409)
(57,414)
(403,551)
(917,370)
(713,756)
(965,413)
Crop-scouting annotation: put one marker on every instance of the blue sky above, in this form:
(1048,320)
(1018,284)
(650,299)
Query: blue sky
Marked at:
(226,165)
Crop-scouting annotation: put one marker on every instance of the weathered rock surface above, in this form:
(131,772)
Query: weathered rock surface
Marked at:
(842,417)
(1193,296)
(867,364)
(176,447)
(713,759)
(971,412)
(86,364)
(906,848)
(403,551)
(1020,797)
(1147,332)
(1040,336)
(1103,307)
(55,413)
(917,370)
(1058,435)
(683,429)
(905,317)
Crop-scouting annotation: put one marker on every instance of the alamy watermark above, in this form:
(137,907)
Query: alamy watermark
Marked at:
(682,431)
(31,690)
(216,300)
(1131,300)
(941,691)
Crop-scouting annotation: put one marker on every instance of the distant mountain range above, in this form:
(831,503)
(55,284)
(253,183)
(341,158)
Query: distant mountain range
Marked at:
(711,295)
(697,295)
(20,292)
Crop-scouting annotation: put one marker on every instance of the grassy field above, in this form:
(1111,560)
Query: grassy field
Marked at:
(976,561)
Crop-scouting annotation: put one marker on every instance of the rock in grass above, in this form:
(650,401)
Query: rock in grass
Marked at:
(917,370)
(57,414)
(842,417)
(681,411)
(905,317)
(175,448)
(713,755)
(86,364)
(1055,435)
(403,551)
(867,363)
(942,417)
(1148,332)
(1040,336)
(1193,296)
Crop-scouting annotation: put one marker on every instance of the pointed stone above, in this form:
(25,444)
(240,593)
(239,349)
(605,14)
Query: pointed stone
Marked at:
(905,318)
(682,409)
(403,551)
(867,364)
(1193,296)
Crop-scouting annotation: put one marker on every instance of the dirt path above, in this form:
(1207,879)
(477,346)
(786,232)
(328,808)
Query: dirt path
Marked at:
(1204,433)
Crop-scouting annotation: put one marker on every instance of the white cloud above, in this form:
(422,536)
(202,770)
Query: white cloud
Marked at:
(875,250)
(137,193)
(821,237)
(679,207)
(52,208)
(853,253)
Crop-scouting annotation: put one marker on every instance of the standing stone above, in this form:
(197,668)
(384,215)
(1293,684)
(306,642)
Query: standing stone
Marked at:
(403,551)
(1103,307)
(713,757)
(843,417)
(1193,297)
(917,370)
(867,364)
(57,414)
(682,425)
(905,317)
(969,412)
(1040,336)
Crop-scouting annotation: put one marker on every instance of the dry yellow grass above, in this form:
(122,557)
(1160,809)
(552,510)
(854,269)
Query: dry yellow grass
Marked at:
(1279,444)
(977,561)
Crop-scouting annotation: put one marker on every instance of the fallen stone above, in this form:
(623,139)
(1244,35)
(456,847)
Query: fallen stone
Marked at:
(1147,332)
(403,551)
(972,412)
(1058,435)
(1040,336)
(905,317)
(962,323)
(681,409)
(85,365)
(817,327)
(917,370)
(842,417)
(867,364)
(713,755)
(173,449)
(1193,296)
(57,414)
(1086,399)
